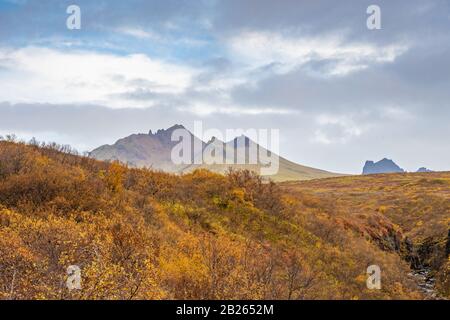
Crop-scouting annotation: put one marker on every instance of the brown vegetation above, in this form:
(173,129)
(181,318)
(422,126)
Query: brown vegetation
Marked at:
(406,213)
(141,234)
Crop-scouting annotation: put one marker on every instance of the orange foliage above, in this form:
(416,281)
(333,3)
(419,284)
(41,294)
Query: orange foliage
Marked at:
(141,234)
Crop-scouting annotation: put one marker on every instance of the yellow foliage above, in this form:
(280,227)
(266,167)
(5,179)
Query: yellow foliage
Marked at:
(141,234)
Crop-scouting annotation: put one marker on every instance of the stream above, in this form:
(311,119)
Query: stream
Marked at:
(426,283)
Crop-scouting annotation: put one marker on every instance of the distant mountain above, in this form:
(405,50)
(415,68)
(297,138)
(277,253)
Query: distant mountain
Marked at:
(382,166)
(423,169)
(154,150)
(288,170)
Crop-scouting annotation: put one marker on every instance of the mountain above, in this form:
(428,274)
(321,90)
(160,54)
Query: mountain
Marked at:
(423,169)
(154,150)
(382,166)
(287,170)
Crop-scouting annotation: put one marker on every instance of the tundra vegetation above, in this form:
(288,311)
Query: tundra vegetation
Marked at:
(143,234)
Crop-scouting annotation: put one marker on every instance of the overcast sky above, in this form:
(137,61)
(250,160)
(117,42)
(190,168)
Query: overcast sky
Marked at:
(338,92)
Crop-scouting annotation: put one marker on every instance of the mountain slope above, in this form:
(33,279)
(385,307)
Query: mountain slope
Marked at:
(154,151)
(143,234)
(407,213)
(151,150)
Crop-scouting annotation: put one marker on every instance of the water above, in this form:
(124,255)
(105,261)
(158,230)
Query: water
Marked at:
(426,282)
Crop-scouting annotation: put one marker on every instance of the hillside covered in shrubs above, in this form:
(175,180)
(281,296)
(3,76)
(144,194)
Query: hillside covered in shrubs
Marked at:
(141,234)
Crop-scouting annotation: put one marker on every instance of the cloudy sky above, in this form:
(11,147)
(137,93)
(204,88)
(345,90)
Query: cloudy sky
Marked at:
(338,92)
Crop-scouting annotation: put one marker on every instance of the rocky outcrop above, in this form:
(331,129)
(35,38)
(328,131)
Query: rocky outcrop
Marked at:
(423,169)
(427,259)
(447,245)
(382,166)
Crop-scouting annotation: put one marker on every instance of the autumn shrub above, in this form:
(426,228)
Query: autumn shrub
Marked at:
(143,234)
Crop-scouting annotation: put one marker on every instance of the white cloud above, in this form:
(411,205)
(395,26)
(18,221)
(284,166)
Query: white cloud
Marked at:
(264,48)
(396,113)
(139,33)
(202,109)
(337,129)
(49,136)
(42,75)
(163,39)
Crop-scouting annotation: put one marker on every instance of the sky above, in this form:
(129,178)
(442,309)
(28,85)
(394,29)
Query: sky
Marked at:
(339,93)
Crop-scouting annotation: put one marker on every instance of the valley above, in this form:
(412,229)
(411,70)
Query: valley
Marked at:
(413,207)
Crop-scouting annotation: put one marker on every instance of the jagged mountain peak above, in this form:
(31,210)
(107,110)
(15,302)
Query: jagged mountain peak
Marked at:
(167,131)
(155,150)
